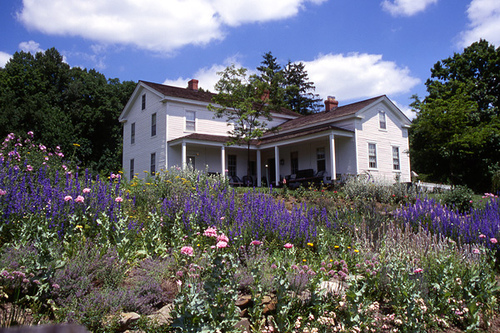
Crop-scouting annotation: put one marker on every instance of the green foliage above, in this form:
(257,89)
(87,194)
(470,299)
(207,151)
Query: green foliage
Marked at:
(459,197)
(363,188)
(63,106)
(455,137)
(289,87)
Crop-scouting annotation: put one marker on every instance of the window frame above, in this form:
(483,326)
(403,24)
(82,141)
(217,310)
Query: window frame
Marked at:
(396,166)
(372,164)
(382,120)
(190,122)
(153,124)
(143,102)
(131,168)
(320,159)
(232,167)
(132,133)
(152,164)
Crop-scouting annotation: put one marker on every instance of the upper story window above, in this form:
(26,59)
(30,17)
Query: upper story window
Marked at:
(143,101)
(395,158)
(381,119)
(153,124)
(153,164)
(132,133)
(190,121)
(321,159)
(372,155)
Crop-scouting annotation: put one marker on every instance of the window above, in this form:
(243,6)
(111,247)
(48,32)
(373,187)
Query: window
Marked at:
(153,124)
(320,158)
(153,164)
(144,102)
(132,133)
(294,162)
(131,174)
(395,158)
(190,121)
(231,165)
(372,155)
(381,119)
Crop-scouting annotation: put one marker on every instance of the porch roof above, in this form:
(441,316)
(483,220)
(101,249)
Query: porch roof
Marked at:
(302,132)
(219,139)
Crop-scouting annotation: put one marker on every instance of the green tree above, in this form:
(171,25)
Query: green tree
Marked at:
(271,73)
(455,137)
(64,106)
(299,93)
(241,101)
(290,86)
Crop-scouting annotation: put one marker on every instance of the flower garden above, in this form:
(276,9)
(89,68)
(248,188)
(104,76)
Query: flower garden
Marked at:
(364,257)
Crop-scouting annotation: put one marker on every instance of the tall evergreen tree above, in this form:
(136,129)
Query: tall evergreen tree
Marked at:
(299,91)
(272,74)
(290,86)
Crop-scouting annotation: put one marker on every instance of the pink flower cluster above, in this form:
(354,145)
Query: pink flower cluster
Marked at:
(187,250)
(288,246)
(210,232)
(222,240)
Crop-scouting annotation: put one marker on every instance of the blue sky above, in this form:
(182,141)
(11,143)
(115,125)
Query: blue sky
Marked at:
(352,49)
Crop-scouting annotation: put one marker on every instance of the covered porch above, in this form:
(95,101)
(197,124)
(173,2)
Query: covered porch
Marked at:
(320,155)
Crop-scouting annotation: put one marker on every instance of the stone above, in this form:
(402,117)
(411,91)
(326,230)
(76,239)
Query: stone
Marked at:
(163,316)
(244,301)
(126,319)
(243,325)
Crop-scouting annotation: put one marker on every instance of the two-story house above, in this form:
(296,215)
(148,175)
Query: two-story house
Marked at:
(165,126)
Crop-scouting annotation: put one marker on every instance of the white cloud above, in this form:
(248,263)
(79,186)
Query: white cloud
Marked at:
(484,17)
(406,109)
(156,25)
(406,7)
(207,77)
(355,76)
(4,57)
(31,47)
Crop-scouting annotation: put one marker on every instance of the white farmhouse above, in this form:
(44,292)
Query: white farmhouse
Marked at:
(165,126)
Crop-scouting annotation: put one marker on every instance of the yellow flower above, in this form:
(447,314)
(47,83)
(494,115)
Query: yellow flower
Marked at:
(310,244)
(304,260)
(348,247)
(197,244)
(331,260)
(79,227)
(356,251)
(76,145)
(336,246)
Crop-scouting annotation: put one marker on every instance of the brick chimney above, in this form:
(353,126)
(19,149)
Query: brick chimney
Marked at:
(193,85)
(331,103)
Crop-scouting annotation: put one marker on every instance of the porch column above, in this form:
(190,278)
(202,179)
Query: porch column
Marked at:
(259,171)
(277,164)
(333,167)
(184,162)
(223,160)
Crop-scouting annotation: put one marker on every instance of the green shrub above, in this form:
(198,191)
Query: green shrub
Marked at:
(459,197)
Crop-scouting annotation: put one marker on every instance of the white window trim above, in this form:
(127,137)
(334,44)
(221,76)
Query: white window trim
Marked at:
(376,157)
(381,112)
(186,121)
(399,158)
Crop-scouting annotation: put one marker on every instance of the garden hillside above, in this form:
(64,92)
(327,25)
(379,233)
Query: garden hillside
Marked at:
(182,251)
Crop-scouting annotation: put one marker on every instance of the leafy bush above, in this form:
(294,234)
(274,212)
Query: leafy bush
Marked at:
(459,197)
